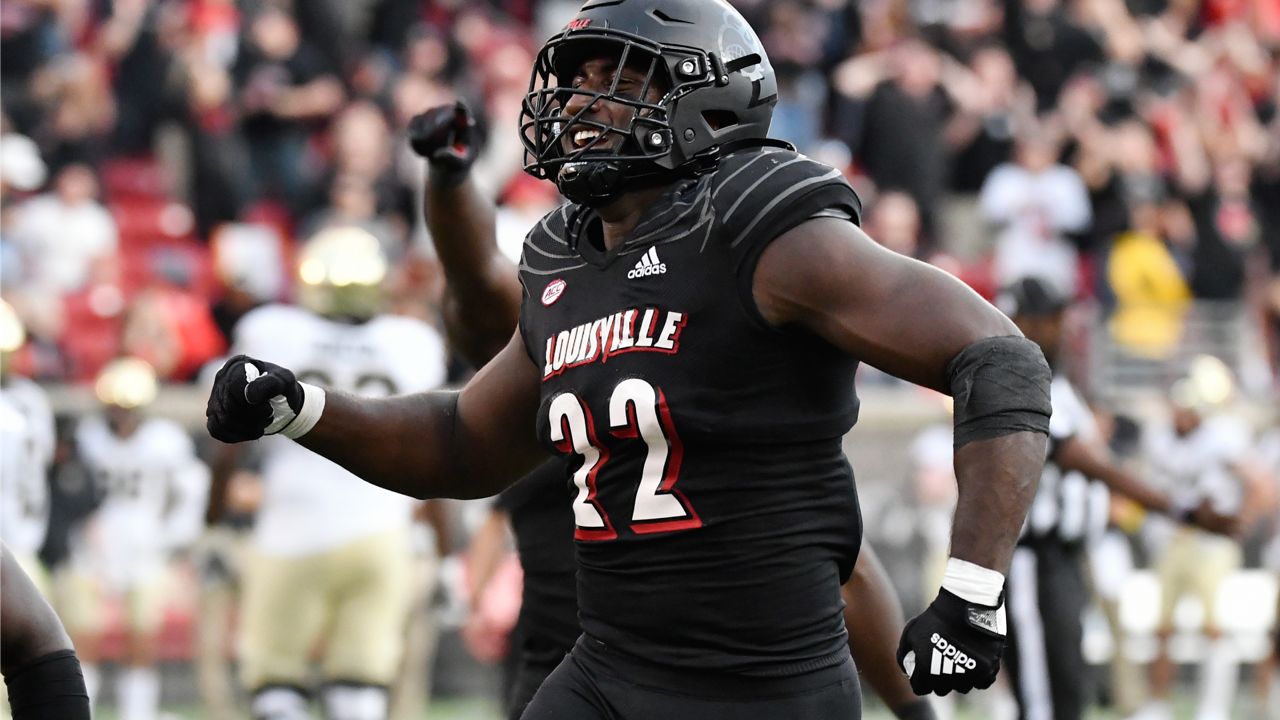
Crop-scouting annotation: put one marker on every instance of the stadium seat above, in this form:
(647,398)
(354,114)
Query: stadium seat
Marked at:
(134,177)
(144,220)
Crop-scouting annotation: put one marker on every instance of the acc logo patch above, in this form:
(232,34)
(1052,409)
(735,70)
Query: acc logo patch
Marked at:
(553,291)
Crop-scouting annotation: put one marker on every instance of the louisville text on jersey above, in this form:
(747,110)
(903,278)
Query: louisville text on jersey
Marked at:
(648,329)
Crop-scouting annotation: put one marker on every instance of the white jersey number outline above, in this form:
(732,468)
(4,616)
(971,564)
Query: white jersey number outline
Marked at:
(636,410)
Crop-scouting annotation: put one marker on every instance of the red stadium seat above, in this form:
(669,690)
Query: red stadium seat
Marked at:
(136,177)
(90,332)
(141,221)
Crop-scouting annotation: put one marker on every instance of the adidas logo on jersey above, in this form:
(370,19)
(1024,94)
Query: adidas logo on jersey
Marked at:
(947,659)
(647,265)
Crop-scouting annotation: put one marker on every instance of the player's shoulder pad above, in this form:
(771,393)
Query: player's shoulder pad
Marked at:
(408,332)
(763,191)
(91,431)
(1231,433)
(266,320)
(30,392)
(1067,406)
(546,246)
(168,434)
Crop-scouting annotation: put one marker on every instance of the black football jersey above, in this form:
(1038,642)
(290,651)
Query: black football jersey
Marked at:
(715,511)
(542,523)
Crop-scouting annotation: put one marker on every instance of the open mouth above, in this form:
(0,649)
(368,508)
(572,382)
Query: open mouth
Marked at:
(583,138)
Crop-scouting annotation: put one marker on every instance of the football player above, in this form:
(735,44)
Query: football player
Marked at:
(483,285)
(331,560)
(1047,587)
(1268,670)
(689,330)
(26,450)
(40,668)
(153,490)
(1203,453)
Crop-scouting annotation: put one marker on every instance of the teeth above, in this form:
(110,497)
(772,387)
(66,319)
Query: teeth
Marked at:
(582,137)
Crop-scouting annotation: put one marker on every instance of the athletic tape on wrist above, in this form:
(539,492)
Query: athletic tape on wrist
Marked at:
(974,583)
(309,414)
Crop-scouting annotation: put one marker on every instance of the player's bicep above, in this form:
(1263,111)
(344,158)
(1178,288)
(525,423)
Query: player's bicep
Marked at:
(895,313)
(481,307)
(497,413)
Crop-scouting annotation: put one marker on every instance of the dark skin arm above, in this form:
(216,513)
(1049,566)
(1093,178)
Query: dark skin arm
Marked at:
(227,458)
(908,319)
(872,606)
(461,444)
(482,296)
(1095,462)
(29,629)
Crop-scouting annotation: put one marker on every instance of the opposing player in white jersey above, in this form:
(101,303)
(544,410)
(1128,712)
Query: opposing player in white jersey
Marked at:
(1201,455)
(1268,671)
(153,490)
(331,557)
(26,449)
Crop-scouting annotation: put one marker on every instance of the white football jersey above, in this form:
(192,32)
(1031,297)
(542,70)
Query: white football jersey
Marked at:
(153,490)
(1067,505)
(311,504)
(1197,466)
(26,449)
(1269,456)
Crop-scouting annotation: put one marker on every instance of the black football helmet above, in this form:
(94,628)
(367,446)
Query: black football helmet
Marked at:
(718,88)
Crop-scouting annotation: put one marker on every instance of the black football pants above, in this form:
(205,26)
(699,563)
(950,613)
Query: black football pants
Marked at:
(530,675)
(584,688)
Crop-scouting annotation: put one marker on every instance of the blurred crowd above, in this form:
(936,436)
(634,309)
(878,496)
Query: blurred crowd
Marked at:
(162,158)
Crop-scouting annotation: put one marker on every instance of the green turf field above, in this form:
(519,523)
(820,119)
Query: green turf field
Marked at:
(484,709)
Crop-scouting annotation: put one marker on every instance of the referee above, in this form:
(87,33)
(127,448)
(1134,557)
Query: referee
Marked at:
(1046,588)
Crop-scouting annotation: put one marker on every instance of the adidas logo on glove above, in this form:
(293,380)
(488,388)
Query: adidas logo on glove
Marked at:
(647,265)
(947,659)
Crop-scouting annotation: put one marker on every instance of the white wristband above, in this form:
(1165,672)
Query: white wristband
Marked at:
(974,583)
(309,414)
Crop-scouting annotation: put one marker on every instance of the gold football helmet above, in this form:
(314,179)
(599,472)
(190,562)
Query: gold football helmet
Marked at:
(12,334)
(1207,385)
(127,383)
(340,273)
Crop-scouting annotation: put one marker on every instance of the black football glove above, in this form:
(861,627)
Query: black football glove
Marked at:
(445,136)
(953,645)
(252,398)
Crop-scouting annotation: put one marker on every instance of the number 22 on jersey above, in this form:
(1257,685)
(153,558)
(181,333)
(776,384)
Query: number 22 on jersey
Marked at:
(636,410)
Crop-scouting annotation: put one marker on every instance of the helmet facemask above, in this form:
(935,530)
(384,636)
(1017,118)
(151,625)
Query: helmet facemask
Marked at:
(628,157)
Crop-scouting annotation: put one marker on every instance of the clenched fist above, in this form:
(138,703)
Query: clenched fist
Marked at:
(953,645)
(445,136)
(252,398)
